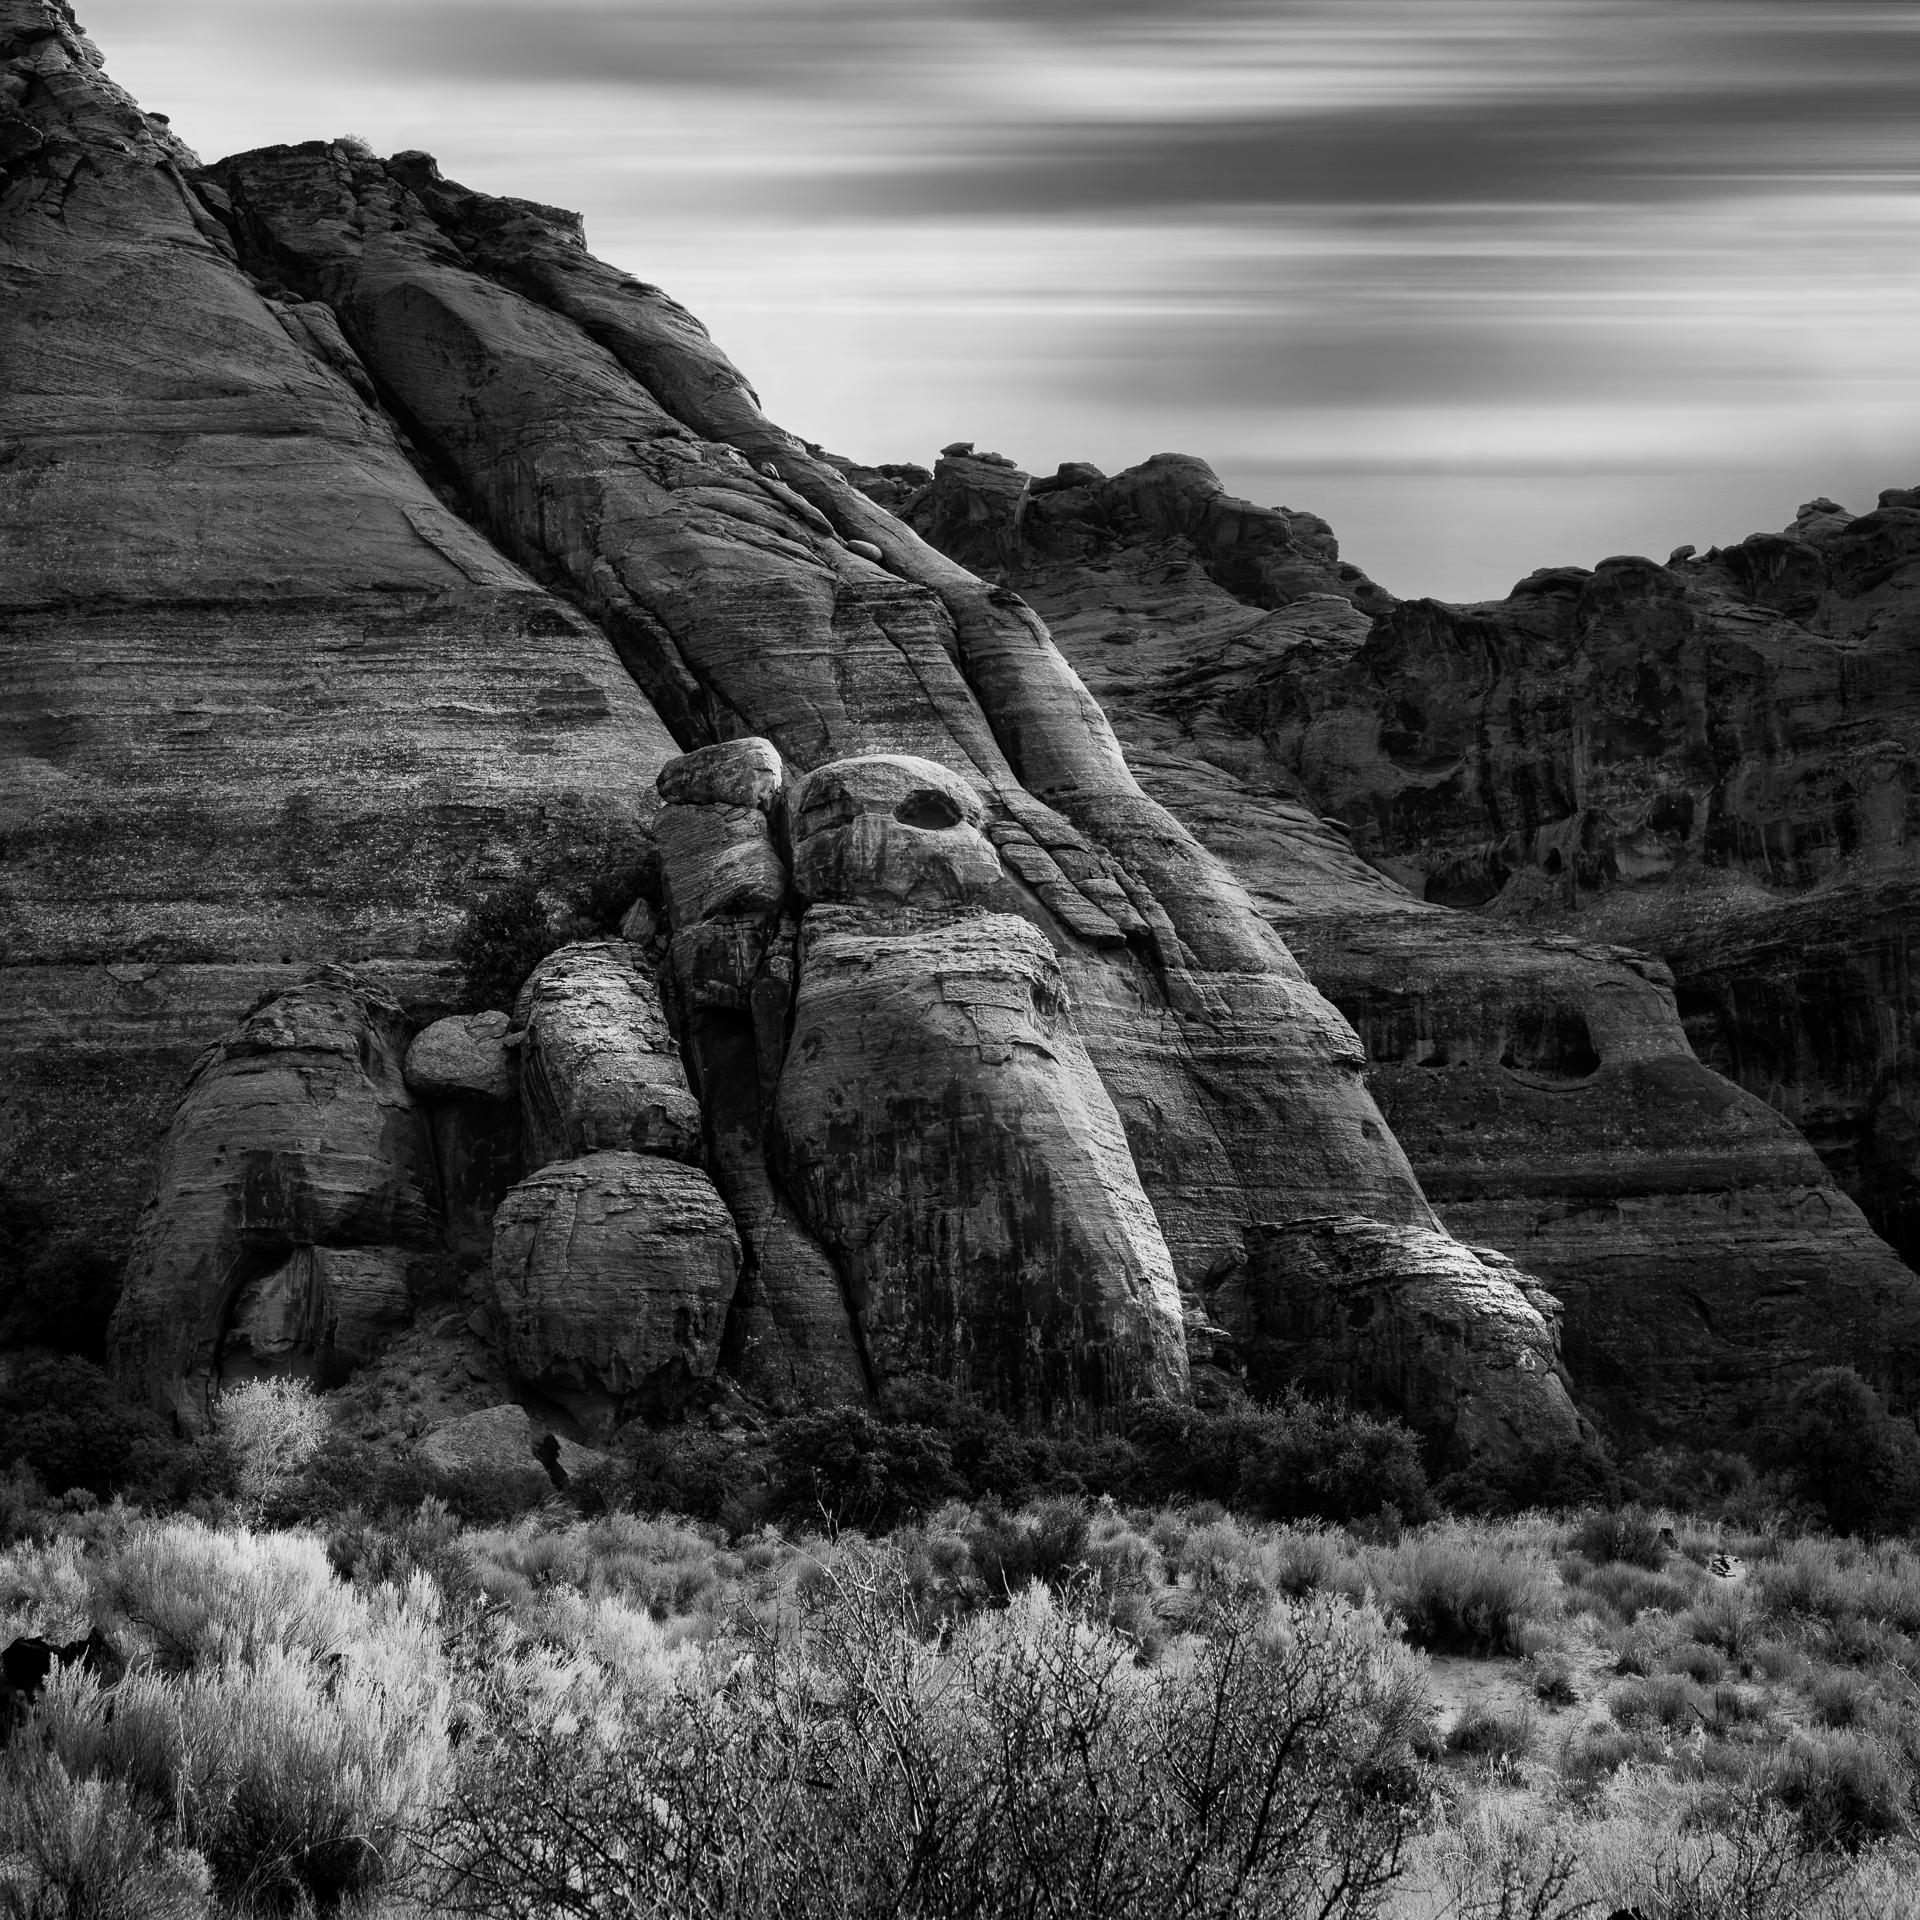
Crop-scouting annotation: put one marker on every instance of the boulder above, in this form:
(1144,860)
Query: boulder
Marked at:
(944,1135)
(497,1442)
(612,1276)
(1456,1341)
(599,1070)
(464,1057)
(891,827)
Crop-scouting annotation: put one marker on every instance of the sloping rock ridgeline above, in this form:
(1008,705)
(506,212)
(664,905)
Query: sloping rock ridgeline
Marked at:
(1345,753)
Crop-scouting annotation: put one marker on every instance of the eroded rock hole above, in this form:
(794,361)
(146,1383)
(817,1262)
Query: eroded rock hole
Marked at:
(1551,1043)
(928,809)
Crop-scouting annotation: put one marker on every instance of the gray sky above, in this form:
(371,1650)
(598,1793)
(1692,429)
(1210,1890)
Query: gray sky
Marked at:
(1492,284)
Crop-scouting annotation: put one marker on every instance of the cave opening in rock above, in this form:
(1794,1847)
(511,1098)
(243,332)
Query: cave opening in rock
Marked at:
(1551,1043)
(929,809)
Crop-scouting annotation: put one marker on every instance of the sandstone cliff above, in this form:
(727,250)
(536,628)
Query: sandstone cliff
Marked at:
(380,544)
(1347,754)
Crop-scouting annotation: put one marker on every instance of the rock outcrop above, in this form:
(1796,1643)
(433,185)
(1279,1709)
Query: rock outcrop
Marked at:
(1457,1341)
(466,1079)
(295,1193)
(270,701)
(612,1276)
(1540,1079)
(599,1071)
(400,559)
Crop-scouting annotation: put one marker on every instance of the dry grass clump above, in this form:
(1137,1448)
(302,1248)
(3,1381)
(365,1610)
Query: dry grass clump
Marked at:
(1457,1588)
(1843,1581)
(283,1728)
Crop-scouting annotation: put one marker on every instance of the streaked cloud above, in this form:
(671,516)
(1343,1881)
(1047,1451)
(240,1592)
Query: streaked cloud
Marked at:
(1563,279)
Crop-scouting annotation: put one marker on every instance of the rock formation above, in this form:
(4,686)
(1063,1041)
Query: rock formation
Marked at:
(270,701)
(416,551)
(612,1276)
(1540,1079)
(294,1191)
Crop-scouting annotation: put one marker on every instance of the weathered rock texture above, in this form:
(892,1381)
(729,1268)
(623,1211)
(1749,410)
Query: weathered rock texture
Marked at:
(599,1071)
(294,1192)
(269,701)
(1455,1340)
(466,1078)
(612,1275)
(1540,1080)
(299,434)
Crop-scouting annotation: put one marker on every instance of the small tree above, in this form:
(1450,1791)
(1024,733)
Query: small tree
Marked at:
(272,1428)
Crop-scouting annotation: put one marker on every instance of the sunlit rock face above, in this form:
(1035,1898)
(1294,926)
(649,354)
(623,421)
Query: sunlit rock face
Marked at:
(1348,757)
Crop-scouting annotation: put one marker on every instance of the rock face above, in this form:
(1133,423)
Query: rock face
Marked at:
(599,1069)
(612,1275)
(269,700)
(467,1080)
(995,1065)
(295,1190)
(1540,1080)
(1456,1341)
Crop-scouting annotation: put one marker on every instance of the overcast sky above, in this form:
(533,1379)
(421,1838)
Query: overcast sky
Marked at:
(1492,284)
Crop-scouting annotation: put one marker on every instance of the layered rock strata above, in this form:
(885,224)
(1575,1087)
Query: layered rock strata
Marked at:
(1714,759)
(370,410)
(269,700)
(1541,1082)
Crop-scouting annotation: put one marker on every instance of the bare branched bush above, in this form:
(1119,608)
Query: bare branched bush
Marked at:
(272,1427)
(844,1763)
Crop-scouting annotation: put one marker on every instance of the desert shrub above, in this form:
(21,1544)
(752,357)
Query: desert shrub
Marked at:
(66,1421)
(1297,1459)
(1849,1457)
(1460,1590)
(1593,1754)
(82,1850)
(1623,1592)
(189,1595)
(508,930)
(1839,1582)
(1628,1535)
(1495,1866)
(844,1465)
(1726,1619)
(1028,1766)
(1846,1789)
(506,933)
(1553,1680)
(1488,1732)
(297,1777)
(1839,1697)
(688,1470)
(1668,1700)
(1703,1664)
(272,1428)
(1045,1542)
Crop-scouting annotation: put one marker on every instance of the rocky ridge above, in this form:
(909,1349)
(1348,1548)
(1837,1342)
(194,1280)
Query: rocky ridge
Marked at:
(1538,1066)
(934,1040)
